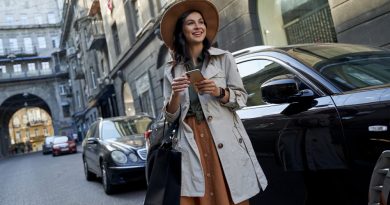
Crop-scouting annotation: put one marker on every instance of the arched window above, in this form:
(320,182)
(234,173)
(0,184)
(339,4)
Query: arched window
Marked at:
(128,100)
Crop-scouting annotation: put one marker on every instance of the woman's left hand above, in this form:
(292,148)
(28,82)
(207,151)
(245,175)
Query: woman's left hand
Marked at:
(208,86)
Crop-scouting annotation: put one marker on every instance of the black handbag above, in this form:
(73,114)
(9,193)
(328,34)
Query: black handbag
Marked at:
(163,169)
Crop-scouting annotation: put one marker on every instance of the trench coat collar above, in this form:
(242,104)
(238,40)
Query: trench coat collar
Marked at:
(208,73)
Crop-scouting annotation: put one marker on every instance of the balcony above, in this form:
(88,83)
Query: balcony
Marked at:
(31,74)
(19,52)
(97,38)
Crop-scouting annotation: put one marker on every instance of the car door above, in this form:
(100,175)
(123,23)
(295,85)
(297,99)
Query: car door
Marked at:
(91,146)
(289,139)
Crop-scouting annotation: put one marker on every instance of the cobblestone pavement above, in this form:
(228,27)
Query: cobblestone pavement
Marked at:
(36,179)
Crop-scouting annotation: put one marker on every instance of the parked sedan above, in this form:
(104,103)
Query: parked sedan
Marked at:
(46,146)
(318,116)
(114,149)
(62,144)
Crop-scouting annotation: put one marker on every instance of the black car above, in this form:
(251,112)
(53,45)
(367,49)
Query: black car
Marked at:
(114,149)
(47,143)
(318,116)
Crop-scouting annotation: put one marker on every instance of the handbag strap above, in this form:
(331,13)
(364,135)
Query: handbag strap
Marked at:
(170,135)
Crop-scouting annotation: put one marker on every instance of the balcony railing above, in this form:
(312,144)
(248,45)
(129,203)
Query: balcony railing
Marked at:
(33,73)
(96,34)
(29,51)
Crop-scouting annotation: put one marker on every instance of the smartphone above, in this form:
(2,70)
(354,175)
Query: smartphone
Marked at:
(195,75)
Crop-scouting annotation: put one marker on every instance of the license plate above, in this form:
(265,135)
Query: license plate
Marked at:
(64,149)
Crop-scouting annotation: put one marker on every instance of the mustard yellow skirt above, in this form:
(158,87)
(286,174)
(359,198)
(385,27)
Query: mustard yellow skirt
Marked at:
(217,191)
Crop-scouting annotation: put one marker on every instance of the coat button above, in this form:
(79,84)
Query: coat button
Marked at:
(209,118)
(220,145)
(240,140)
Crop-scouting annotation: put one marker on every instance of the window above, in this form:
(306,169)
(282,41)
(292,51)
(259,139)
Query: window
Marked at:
(1,47)
(93,78)
(55,41)
(137,14)
(3,69)
(66,110)
(62,89)
(51,18)
(17,68)
(128,100)
(31,67)
(13,44)
(24,19)
(9,20)
(28,45)
(254,73)
(41,42)
(38,19)
(45,66)
(116,39)
(78,99)
(36,132)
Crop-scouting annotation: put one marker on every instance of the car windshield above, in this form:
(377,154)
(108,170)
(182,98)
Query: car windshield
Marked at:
(61,139)
(348,67)
(125,128)
(48,140)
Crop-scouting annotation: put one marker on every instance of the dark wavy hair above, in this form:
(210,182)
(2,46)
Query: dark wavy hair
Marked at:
(180,52)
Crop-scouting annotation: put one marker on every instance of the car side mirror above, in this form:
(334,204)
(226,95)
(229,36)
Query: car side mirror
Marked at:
(284,89)
(92,141)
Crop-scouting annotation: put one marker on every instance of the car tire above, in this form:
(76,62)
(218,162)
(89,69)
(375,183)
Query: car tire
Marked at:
(89,176)
(106,181)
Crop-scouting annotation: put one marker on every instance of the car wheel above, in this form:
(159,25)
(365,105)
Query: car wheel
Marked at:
(89,176)
(108,187)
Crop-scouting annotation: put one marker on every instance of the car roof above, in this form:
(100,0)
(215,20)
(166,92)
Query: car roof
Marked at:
(314,53)
(126,117)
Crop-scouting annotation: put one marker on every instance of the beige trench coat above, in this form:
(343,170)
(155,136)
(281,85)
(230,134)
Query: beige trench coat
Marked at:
(243,172)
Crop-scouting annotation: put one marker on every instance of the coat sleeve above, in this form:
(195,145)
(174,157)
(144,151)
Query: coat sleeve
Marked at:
(167,91)
(238,94)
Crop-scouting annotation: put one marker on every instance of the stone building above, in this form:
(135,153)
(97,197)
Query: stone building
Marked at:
(31,75)
(125,55)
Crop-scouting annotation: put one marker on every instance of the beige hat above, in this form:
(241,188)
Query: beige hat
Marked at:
(205,7)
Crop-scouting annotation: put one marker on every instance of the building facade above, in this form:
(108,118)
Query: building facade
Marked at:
(118,56)
(32,79)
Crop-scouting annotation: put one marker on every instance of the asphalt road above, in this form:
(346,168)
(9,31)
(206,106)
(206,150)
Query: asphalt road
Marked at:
(36,179)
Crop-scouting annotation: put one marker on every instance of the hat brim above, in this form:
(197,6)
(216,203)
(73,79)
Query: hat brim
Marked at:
(173,13)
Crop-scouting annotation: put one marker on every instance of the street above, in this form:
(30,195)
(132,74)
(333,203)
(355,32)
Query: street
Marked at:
(33,179)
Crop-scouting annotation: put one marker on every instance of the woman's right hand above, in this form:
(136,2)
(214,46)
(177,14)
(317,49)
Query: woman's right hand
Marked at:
(179,84)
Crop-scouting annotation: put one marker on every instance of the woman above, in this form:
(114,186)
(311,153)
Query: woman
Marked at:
(219,165)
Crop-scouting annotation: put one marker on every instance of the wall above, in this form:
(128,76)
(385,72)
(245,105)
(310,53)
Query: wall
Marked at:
(363,22)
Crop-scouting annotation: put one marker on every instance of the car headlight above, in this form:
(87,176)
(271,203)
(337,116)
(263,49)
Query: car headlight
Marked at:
(133,157)
(118,157)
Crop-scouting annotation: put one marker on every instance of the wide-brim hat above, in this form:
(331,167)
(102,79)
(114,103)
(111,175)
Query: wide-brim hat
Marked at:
(173,13)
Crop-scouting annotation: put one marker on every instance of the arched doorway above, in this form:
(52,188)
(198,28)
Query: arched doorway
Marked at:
(20,112)
(128,100)
(27,129)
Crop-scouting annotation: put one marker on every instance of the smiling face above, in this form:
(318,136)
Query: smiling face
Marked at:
(194,29)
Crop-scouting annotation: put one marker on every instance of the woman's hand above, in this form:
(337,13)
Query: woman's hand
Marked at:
(208,86)
(179,84)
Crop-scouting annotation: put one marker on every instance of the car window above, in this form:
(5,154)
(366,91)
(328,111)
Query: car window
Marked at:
(254,73)
(48,140)
(61,139)
(358,72)
(91,131)
(122,128)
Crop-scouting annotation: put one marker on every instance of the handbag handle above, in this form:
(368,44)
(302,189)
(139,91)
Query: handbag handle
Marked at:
(170,134)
